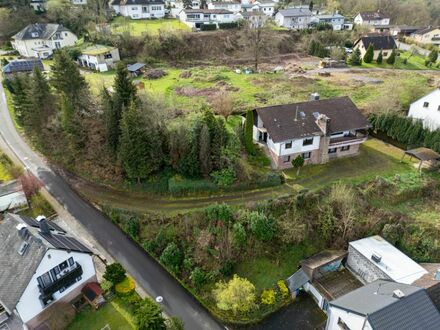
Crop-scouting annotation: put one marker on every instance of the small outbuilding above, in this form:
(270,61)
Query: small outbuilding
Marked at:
(93,294)
(12,196)
(135,69)
(429,156)
(22,66)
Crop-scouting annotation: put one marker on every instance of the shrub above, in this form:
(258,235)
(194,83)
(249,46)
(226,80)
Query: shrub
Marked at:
(297,163)
(114,273)
(392,58)
(238,234)
(126,286)
(219,212)
(369,54)
(355,57)
(227,268)
(106,285)
(231,25)
(237,295)
(208,27)
(149,316)
(132,227)
(198,277)
(284,290)
(174,323)
(155,74)
(179,186)
(172,257)
(379,59)
(248,133)
(268,297)
(224,177)
(262,227)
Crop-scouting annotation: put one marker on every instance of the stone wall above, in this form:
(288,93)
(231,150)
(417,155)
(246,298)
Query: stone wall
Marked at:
(364,268)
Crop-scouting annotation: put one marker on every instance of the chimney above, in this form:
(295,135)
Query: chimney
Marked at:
(22,231)
(376,257)
(398,294)
(323,122)
(44,226)
(437,275)
(314,97)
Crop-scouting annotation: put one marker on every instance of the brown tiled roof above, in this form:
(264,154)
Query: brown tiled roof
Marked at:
(279,120)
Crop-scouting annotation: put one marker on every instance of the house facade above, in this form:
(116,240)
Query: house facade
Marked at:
(139,9)
(430,35)
(384,43)
(40,40)
(98,57)
(233,6)
(372,18)
(46,269)
(318,130)
(195,18)
(337,21)
(427,109)
(294,18)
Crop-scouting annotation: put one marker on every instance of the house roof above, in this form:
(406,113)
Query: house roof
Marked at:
(94,50)
(394,263)
(39,31)
(383,310)
(335,284)
(10,187)
(136,2)
(207,11)
(323,258)
(297,280)
(24,65)
(295,12)
(327,16)
(279,120)
(92,291)
(223,3)
(426,30)
(378,41)
(431,278)
(405,28)
(373,15)
(16,270)
(423,153)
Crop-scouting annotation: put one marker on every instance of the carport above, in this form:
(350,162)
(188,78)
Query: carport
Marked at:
(423,155)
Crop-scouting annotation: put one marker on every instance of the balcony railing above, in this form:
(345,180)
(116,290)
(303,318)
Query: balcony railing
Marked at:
(350,139)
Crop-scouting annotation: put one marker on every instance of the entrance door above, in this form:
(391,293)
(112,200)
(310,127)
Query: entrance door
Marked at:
(262,136)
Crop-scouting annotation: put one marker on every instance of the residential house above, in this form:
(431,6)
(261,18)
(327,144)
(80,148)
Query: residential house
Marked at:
(12,196)
(43,268)
(372,18)
(255,18)
(98,57)
(267,7)
(403,30)
(194,18)
(427,109)
(431,282)
(317,130)
(384,43)
(430,35)
(22,66)
(294,18)
(335,20)
(139,9)
(40,40)
(233,6)
(79,2)
(383,305)
(250,7)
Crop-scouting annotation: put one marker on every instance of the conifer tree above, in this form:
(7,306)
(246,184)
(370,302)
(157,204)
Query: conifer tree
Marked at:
(67,115)
(111,121)
(20,99)
(392,58)
(248,133)
(379,59)
(41,100)
(369,54)
(433,56)
(355,57)
(205,151)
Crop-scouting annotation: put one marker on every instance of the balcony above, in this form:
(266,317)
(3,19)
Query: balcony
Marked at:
(349,139)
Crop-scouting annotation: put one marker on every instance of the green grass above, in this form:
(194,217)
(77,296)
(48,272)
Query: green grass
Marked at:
(415,62)
(139,27)
(265,271)
(39,206)
(375,158)
(114,313)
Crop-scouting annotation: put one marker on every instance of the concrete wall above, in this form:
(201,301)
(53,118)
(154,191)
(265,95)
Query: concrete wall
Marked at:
(363,267)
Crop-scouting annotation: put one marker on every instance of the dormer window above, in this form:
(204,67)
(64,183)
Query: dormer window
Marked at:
(438,109)
(34,34)
(425,104)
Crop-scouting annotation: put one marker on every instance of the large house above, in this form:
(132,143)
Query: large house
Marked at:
(233,6)
(98,57)
(383,305)
(335,20)
(430,35)
(384,43)
(138,9)
(294,18)
(317,130)
(373,18)
(195,18)
(427,109)
(40,40)
(42,268)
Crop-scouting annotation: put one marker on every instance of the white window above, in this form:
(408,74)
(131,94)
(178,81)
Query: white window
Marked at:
(332,150)
(308,142)
(288,145)
(425,104)
(134,8)
(156,8)
(345,148)
(306,155)
(286,159)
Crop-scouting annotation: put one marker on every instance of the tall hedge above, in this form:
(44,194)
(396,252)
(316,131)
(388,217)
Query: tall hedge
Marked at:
(208,27)
(230,25)
(248,132)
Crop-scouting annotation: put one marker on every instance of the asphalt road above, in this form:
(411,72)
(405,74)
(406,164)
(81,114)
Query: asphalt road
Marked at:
(145,270)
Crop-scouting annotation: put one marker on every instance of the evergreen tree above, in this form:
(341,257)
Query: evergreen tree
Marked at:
(312,47)
(355,57)
(311,5)
(41,100)
(380,57)
(392,58)
(189,164)
(111,120)
(248,133)
(20,99)
(433,56)
(205,151)
(218,137)
(67,115)
(369,54)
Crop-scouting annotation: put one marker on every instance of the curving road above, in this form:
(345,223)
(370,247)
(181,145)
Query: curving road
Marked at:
(145,270)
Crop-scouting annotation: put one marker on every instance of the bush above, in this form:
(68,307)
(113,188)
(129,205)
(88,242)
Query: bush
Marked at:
(149,316)
(369,54)
(208,27)
(239,234)
(248,133)
(220,212)
(174,323)
(172,257)
(180,186)
(268,297)
(227,268)
(237,295)
(392,58)
(198,277)
(132,227)
(126,286)
(379,59)
(224,177)
(155,74)
(231,25)
(262,227)
(284,290)
(114,273)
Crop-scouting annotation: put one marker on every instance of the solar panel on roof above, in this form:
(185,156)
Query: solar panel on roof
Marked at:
(65,242)
(33,223)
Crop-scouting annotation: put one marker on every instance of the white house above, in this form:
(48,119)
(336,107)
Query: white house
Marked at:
(138,9)
(194,18)
(41,268)
(383,305)
(233,6)
(317,130)
(38,5)
(335,20)
(373,18)
(294,18)
(427,109)
(429,35)
(79,2)
(40,40)
(380,43)
(98,57)
(12,196)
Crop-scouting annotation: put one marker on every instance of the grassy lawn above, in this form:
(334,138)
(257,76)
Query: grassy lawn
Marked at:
(376,158)
(114,313)
(265,271)
(415,62)
(5,164)
(138,27)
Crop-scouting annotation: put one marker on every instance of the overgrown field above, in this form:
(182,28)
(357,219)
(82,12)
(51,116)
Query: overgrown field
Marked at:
(136,28)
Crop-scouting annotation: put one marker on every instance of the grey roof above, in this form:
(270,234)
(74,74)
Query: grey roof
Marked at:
(16,271)
(297,280)
(279,120)
(327,16)
(10,187)
(384,311)
(41,31)
(373,15)
(24,65)
(378,42)
(295,12)
(426,30)
(134,67)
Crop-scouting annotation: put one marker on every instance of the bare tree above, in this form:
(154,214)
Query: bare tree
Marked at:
(31,185)
(223,104)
